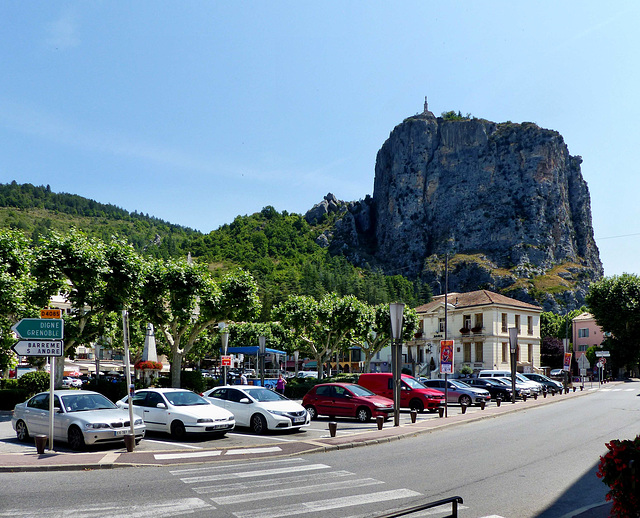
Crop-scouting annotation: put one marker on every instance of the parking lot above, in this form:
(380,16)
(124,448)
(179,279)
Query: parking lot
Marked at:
(238,438)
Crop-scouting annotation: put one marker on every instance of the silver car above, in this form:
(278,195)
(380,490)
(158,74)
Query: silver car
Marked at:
(459,392)
(81,417)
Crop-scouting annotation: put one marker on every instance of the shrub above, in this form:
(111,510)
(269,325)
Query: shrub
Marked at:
(619,470)
(109,389)
(34,382)
(193,380)
(10,397)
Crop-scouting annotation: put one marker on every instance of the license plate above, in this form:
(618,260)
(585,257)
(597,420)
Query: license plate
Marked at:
(298,420)
(121,432)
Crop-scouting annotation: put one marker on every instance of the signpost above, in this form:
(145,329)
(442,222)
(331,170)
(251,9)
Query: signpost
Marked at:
(42,337)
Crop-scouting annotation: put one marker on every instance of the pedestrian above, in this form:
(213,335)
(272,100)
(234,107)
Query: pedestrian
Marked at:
(280,384)
(243,379)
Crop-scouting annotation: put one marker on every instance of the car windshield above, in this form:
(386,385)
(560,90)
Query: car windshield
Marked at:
(262,394)
(82,402)
(184,398)
(360,391)
(494,381)
(413,383)
(459,384)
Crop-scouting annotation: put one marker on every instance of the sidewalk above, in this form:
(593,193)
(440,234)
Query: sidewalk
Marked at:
(119,458)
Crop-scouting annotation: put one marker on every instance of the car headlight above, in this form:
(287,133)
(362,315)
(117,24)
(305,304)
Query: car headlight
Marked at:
(205,420)
(138,422)
(278,412)
(96,426)
(380,405)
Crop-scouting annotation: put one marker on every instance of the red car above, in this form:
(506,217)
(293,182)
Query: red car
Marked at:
(346,400)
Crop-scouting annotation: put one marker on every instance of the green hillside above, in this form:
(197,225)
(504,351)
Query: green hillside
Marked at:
(279,249)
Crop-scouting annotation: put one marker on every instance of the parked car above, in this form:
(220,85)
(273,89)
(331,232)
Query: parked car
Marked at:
(346,400)
(178,412)
(459,392)
(551,385)
(307,374)
(496,388)
(413,394)
(534,388)
(521,390)
(69,381)
(82,417)
(259,408)
(557,373)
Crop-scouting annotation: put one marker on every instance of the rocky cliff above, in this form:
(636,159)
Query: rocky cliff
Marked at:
(506,202)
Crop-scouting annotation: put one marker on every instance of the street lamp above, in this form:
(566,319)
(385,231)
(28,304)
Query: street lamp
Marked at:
(396,310)
(224,337)
(263,351)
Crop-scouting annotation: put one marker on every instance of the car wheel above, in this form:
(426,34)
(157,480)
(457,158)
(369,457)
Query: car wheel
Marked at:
(363,414)
(312,412)
(258,424)
(417,405)
(178,430)
(75,438)
(465,400)
(22,431)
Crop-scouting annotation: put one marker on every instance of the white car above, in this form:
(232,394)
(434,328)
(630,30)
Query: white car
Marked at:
(178,412)
(68,381)
(259,408)
(82,417)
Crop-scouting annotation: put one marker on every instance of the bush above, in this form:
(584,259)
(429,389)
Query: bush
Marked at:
(10,397)
(9,383)
(109,389)
(296,388)
(34,382)
(193,380)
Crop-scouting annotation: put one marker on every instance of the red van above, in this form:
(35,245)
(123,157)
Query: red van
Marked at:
(413,394)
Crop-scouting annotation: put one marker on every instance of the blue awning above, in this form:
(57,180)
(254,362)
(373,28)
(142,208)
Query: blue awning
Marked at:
(252,350)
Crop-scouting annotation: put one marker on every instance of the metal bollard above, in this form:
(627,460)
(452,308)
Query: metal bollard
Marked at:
(574,389)
(482,405)
(41,443)
(535,396)
(498,401)
(463,408)
(130,442)
(414,415)
(524,397)
(441,411)
(380,421)
(333,428)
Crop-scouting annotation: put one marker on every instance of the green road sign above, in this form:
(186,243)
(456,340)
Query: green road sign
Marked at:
(40,328)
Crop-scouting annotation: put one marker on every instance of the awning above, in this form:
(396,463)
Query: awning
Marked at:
(252,350)
(311,364)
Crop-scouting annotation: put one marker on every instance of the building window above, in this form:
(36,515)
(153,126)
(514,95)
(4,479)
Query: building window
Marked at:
(583,333)
(467,352)
(504,322)
(530,353)
(466,321)
(479,352)
(441,325)
(505,352)
(517,326)
(479,321)
(529,325)
(582,348)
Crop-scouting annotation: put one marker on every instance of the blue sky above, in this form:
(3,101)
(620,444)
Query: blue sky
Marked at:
(198,111)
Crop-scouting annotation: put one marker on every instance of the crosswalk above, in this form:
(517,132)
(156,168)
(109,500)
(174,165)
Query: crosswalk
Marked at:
(273,488)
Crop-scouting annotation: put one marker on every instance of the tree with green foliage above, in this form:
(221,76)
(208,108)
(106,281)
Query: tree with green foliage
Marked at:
(615,304)
(97,279)
(182,300)
(378,332)
(322,328)
(16,285)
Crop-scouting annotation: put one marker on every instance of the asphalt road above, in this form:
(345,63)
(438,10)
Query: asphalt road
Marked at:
(538,462)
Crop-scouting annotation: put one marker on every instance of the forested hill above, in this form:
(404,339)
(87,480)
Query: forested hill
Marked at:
(279,249)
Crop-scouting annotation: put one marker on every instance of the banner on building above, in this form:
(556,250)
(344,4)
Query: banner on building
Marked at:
(446,356)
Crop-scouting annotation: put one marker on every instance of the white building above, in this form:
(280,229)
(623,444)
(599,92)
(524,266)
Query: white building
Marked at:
(479,323)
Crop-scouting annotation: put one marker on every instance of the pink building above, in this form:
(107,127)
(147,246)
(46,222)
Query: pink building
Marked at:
(586,333)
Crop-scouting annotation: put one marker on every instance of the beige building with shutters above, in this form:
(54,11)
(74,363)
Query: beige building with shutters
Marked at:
(479,323)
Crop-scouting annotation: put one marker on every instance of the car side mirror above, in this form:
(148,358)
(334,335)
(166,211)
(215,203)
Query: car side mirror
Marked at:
(161,405)
(245,400)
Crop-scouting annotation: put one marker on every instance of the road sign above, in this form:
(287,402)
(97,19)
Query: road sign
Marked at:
(50,313)
(583,363)
(226,361)
(39,348)
(40,328)
(603,354)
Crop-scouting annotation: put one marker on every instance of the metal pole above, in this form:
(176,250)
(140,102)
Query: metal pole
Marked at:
(127,367)
(52,370)
(262,341)
(446,310)
(395,312)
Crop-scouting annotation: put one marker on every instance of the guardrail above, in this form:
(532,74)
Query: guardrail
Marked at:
(454,501)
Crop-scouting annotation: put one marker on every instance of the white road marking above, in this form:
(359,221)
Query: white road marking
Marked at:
(324,505)
(262,484)
(269,449)
(257,473)
(147,510)
(239,465)
(176,444)
(189,455)
(291,491)
(110,457)
(265,437)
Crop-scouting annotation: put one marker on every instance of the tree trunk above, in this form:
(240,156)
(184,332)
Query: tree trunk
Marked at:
(176,369)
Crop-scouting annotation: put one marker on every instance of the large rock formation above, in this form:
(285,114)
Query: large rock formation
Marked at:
(506,202)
